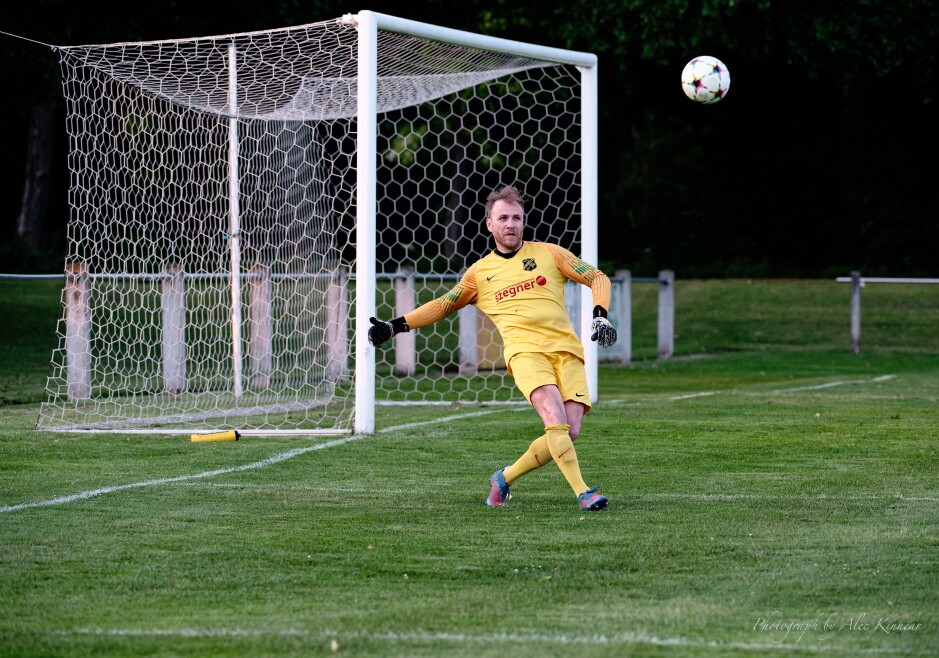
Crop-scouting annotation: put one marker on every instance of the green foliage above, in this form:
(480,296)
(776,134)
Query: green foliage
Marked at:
(799,172)
(865,38)
(820,158)
(404,144)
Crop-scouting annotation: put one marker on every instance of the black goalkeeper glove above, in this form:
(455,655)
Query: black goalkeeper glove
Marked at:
(603,332)
(381,331)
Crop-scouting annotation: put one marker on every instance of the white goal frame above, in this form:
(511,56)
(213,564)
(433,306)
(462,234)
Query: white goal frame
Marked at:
(368,24)
(156,334)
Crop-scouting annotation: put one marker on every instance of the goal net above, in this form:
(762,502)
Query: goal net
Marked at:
(239,203)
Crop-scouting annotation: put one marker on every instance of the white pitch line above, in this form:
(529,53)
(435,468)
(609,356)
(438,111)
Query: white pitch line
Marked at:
(817,387)
(814,387)
(275,459)
(598,639)
(702,394)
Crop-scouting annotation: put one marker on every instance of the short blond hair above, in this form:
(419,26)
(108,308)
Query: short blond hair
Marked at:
(508,193)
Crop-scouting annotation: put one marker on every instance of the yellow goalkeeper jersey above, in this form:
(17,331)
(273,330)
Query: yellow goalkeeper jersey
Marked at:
(523,295)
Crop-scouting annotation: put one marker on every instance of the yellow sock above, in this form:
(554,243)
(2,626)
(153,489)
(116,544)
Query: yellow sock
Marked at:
(536,456)
(562,450)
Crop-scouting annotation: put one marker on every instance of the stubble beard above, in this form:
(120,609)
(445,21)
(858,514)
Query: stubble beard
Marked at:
(505,247)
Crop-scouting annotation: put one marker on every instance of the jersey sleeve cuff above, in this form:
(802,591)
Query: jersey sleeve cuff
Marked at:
(399,325)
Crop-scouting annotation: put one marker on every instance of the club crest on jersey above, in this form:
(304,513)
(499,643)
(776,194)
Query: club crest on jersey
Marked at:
(529,264)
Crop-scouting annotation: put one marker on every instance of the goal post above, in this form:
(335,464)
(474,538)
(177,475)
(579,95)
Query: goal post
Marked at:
(369,23)
(366,190)
(233,197)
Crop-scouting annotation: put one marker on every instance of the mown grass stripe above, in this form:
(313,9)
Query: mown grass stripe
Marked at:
(566,639)
(275,459)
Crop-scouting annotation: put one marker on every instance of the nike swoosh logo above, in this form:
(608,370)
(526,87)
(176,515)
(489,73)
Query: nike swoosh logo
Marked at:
(580,395)
(489,278)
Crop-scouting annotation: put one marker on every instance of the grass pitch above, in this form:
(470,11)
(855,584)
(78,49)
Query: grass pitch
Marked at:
(781,499)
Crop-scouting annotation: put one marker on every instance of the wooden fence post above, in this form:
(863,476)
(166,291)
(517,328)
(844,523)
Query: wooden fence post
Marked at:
(337,327)
(856,284)
(261,337)
(405,343)
(666,314)
(623,321)
(469,328)
(77,332)
(173,307)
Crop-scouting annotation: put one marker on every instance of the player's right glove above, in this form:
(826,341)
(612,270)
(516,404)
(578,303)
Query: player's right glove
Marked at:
(603,332)
(381,331)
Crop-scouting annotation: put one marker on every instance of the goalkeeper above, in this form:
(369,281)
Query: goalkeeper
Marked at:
(520,286)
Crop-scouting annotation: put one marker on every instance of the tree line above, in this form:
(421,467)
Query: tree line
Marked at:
(820,159)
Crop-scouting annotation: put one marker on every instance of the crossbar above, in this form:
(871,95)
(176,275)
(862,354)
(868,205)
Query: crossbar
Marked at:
(472,40)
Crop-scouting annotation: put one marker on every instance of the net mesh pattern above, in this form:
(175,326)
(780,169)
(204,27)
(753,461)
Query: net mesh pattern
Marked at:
(176,316)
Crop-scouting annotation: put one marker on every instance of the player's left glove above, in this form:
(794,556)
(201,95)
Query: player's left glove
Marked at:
(603,332)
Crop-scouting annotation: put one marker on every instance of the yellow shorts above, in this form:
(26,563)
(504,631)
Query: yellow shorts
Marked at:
(534,369)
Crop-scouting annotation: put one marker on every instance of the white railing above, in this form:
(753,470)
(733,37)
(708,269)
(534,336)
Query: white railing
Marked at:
(857,282)
(473,328)
(471,321)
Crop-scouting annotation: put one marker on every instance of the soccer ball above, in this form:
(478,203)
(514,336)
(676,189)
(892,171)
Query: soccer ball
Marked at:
(705,80)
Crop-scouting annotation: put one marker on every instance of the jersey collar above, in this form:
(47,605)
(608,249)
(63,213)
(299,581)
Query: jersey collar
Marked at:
(511,255)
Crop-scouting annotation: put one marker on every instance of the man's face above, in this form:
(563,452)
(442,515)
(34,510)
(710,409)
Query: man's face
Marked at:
(505,222)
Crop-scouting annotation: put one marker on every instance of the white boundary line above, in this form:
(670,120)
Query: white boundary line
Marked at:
(599,639)
(817,387)
(702,394)
(777,391)
(275,459)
